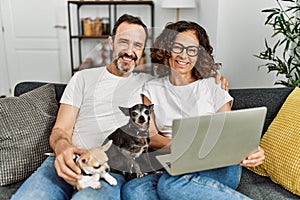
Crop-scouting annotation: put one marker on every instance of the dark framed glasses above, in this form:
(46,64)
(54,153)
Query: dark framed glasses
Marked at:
(190,50)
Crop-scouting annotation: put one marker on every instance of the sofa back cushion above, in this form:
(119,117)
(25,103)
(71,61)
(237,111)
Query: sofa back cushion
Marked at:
(25,126)
(272,98)
(24,87)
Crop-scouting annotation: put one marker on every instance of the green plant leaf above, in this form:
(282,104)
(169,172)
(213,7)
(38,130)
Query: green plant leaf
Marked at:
(286,26)
(271,10)
(270,17)
(286,48)
(275,46)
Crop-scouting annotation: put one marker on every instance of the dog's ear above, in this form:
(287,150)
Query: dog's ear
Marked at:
(151,108)
(124,110)
(107,145)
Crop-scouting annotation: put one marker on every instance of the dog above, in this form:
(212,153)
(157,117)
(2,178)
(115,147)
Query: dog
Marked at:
(94,165)
(129,152)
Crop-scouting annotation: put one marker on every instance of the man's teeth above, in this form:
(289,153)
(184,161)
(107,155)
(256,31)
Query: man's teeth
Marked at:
(127,59)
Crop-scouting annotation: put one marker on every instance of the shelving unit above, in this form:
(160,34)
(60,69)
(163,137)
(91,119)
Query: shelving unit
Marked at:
(112,6)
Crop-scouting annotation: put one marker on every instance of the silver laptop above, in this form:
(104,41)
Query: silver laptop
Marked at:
(213,141)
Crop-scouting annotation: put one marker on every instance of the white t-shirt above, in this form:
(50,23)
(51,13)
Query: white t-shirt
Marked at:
(98,94)
(198,98)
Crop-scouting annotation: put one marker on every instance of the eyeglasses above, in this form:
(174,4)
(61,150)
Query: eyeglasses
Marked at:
(190,50)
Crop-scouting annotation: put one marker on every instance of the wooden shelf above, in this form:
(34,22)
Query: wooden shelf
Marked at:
(99,2)
(89,37)
(79,39)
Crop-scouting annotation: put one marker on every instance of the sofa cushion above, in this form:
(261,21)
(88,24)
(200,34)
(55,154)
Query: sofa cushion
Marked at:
(25,126)
(262,188)
(8,190)
(282,147)
(272,98)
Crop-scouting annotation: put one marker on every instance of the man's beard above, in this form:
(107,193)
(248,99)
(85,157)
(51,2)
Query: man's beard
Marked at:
(119,65)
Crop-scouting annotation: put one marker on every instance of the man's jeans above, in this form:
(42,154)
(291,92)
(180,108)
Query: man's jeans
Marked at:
(45,184)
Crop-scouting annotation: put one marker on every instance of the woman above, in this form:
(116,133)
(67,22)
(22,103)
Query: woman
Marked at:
(184,55)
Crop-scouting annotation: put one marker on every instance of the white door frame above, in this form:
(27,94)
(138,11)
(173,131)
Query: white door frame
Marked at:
(4,80)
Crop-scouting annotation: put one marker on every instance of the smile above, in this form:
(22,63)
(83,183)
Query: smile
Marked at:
(182,63)
(128,59)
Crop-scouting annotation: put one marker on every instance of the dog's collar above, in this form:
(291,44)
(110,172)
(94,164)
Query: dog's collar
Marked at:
(85,174)
(75,157)
(129,128)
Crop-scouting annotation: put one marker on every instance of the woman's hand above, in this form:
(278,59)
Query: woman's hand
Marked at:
(254,159)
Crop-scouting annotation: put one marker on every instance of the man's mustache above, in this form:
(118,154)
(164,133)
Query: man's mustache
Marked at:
(133,57)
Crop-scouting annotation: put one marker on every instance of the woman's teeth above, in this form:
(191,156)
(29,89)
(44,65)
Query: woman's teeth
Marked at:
(182,63)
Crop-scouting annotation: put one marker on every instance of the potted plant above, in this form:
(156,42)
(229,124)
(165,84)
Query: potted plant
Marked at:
(284,56)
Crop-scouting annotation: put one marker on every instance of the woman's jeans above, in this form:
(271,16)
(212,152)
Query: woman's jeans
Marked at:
(211,184)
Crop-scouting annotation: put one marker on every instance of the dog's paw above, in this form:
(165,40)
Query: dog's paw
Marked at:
(96,185)
(89,181)
(140,175)
(110,179)
(79,187)
(113,181)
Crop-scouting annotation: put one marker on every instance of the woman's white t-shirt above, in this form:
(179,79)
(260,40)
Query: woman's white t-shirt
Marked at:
(198,98)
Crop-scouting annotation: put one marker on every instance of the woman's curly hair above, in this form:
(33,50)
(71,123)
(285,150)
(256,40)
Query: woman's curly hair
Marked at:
(161,49)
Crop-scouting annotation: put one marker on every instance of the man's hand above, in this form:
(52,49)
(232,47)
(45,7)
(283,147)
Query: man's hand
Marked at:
(223,80)
(64,164)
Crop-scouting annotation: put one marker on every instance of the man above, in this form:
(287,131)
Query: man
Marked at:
(88,114)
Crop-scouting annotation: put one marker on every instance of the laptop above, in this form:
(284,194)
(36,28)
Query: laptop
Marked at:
(213,141)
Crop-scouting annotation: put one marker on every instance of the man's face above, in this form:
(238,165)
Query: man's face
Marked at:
(128,46)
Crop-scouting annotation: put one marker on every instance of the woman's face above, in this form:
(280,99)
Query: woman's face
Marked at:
(184,61)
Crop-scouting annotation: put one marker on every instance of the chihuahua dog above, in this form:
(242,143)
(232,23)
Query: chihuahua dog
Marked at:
(94,165)
(130,142)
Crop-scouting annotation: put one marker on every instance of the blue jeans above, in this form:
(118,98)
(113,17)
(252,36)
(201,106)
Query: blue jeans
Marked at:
(210,184)
(45,184)
(141,188)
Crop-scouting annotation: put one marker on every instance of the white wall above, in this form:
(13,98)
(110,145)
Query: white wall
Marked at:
(240,35)
(236,30)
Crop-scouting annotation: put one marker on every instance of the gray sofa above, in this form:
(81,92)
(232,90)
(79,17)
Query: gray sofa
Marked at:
(252,185)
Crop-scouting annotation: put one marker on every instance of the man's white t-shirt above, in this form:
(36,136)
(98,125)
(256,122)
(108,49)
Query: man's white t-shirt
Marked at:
(98,94)
(198,98)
